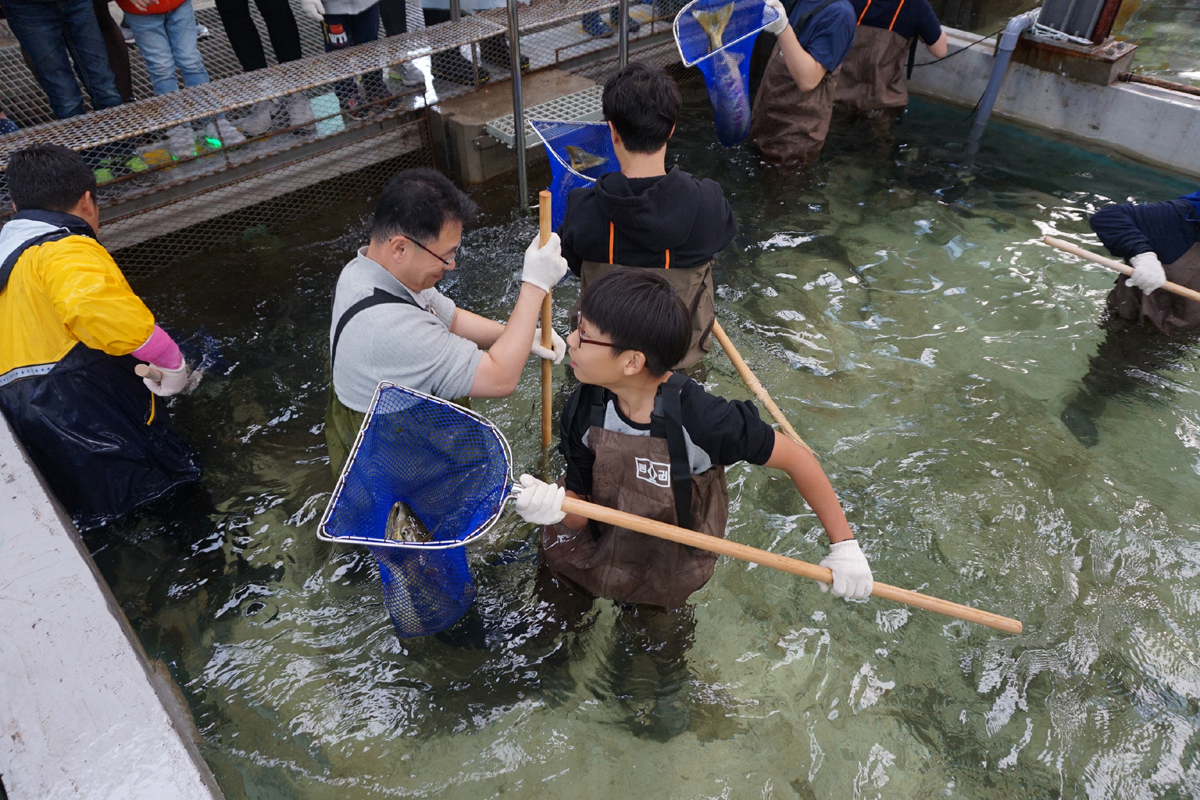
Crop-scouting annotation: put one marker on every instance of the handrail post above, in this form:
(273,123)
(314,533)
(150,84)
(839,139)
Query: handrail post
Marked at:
(623,34)
(514,51)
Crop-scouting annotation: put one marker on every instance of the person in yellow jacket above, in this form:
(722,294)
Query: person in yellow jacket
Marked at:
(71,333)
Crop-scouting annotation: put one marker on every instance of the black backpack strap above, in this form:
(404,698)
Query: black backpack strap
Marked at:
(378,297)
(670,410)
(9,263)
(912,57)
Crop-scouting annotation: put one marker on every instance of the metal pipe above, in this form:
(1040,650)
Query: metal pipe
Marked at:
(1008,42)
(623,34)
(455,11)
(514,50)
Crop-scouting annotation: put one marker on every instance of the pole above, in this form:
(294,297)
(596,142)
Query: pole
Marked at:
(623,33)
(544,198)
(514,50)
(1125,269)
(744,552)
(455,12)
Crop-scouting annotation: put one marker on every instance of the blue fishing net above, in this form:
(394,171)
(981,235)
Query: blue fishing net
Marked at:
(450,467)
(579,152)
(717,36)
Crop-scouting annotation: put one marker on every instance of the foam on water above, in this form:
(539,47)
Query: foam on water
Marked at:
(904,314)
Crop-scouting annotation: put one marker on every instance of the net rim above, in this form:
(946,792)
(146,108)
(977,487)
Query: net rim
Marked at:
(723,47)
(533,123)
(323,533)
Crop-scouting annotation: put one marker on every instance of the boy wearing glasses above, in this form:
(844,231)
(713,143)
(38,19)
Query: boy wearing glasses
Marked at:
(390,323)
(640,438)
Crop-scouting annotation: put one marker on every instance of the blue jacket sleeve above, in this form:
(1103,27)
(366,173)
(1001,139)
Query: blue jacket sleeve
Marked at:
(1128,230)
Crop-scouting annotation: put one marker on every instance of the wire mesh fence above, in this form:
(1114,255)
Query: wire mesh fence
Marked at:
(195,168)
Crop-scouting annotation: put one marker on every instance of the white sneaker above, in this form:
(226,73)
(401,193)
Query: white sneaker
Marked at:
(407,73)
(299,110)
(181,141)
(258,121)
(201,32)
(228,134)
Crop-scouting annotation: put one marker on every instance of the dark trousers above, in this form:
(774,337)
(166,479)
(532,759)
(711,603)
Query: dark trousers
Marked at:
(55,32)
(346,30)
(244,38)
(118,51)
(394,14)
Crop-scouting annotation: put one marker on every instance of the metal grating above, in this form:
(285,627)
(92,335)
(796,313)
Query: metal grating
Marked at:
(582,106)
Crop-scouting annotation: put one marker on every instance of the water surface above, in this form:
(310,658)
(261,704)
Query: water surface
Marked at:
(904,314)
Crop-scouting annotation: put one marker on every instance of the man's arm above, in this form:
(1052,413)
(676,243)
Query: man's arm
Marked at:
(939,48)
(805,471)
(482,331)
(805,70)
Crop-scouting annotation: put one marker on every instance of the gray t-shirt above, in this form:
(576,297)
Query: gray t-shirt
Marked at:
(396,342)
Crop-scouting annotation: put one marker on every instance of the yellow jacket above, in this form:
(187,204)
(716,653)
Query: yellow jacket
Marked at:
(64,292)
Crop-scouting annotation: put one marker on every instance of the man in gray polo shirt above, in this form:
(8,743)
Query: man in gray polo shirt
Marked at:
(390,323)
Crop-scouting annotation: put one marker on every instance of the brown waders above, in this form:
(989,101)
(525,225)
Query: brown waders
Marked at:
(788,125)
(694,285)
(1168,312)
(872,77)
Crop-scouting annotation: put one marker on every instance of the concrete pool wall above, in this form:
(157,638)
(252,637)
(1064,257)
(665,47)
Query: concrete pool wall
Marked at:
(83,712)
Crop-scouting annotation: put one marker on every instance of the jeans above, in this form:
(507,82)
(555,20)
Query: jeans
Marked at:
(168,41)
(47,30)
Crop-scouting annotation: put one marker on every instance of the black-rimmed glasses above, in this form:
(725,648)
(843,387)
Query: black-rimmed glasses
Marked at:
(445,261)
(584,340)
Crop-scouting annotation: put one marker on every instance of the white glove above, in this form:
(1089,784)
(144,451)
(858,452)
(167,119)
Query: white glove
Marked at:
(1148,273)
(557,354)
(314,8)
(540,502)
(851,573)
(544,266)
(170,382)
(779,25)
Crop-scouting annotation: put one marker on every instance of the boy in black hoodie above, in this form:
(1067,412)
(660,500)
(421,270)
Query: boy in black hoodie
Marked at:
(644,216)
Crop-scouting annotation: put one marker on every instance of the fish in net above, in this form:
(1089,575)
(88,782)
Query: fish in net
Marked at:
(717,37)
(579,153)
(424,479)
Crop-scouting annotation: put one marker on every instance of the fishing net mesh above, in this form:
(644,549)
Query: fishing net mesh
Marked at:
(726,68)
(451,469)
(579,153)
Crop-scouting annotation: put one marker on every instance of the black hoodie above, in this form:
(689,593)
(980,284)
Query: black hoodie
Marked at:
(675,211)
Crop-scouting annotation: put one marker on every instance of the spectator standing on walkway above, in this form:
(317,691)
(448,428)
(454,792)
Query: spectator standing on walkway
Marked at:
(48,31)
(165,31)
(248,47)
(346,23)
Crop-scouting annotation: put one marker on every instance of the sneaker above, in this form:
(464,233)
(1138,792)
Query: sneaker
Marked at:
(181,141)
(451,66)
(407,73)
(495,49)
(201,32)
(127,33)
(596,27)
(258,121)
(299,109)
(222,133)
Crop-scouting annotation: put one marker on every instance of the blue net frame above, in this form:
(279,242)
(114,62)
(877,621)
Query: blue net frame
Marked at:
(726,70)
(451,468)
(592,139)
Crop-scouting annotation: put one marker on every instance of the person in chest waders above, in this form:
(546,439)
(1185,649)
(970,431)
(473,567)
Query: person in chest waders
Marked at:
(871,82)
(71,334)
(390,323)
(1161,241)
(798,58)
(641,438)
(644,216)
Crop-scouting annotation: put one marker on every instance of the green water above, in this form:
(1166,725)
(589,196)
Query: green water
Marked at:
(905,316)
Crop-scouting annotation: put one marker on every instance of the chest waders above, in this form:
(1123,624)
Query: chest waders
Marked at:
(1168,312)
(341,422)
(650,476)
(102,441)
(788,125)
(872,75)
(694,285)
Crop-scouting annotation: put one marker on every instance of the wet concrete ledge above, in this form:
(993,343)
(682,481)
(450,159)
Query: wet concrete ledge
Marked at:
(1148,124)
(83,714)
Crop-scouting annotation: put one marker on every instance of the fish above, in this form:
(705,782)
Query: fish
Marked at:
(727,89)
(582,160)
(405,526)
